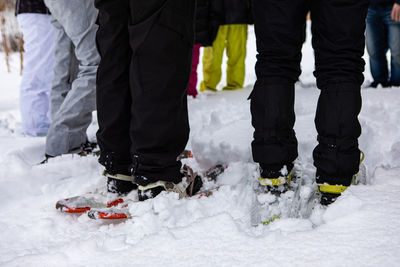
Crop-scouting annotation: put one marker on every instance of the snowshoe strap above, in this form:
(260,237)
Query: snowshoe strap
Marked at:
(362,156)
(180,188)
(168,186)
(190,177)
(331,189)
(122,177)
(355,179)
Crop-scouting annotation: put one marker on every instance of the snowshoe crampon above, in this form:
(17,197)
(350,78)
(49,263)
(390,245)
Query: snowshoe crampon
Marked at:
(282,197)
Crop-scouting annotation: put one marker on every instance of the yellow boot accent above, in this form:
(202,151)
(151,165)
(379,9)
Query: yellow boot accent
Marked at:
(275,181)
(338,189)
(272,181)
(331,189)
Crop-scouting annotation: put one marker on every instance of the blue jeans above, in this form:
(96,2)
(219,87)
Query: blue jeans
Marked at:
(383,34)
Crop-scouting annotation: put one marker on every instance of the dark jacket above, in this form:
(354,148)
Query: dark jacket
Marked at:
(31,6)
(233,11)
(203,23)
(383,3)
(207,22)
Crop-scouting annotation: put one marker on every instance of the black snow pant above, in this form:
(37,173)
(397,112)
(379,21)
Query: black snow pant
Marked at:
(338,40)
(146,53)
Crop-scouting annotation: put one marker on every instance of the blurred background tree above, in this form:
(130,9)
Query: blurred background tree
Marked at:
(10,37)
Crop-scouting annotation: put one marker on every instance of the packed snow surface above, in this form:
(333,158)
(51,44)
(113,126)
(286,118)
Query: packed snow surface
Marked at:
(360,229)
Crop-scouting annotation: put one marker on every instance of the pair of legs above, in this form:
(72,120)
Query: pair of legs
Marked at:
(74,82)
(146,52)
(37,74)
(338,40)
(383,34)
(234,39)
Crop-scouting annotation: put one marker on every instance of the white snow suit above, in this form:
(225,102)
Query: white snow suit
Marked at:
(37,74)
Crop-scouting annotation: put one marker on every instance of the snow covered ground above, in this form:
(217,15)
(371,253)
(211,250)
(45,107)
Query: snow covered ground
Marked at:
(360,229)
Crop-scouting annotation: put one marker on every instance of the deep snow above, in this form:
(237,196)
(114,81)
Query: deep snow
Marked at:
(360,229)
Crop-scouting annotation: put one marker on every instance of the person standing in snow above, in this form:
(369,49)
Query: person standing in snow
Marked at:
(146,53)
(39,36)
(72,96)
(338,39)
(232,34)
(383,34)
(206,29)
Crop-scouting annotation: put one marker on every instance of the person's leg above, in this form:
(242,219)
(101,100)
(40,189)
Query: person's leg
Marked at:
(192,91)
(113,94)
(236,51)
(62,75)
(47,72)
(279,27)
(338,39)
(212,61)
(394,46)
(377,46)
(68,129)
(39,38)
(161,39)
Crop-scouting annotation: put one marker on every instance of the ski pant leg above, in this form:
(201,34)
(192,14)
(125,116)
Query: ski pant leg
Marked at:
(338,40)
(39,38)
(161,38)
(377,46)
(68,129)
(236,51)
(279,28)
(212,61)
(193,76)
(113,91)
(62,79)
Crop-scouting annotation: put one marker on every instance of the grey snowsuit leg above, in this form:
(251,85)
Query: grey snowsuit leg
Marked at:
(65,70)
(72,107)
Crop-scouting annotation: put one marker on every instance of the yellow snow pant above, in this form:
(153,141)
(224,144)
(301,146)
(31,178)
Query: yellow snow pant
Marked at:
(234,38)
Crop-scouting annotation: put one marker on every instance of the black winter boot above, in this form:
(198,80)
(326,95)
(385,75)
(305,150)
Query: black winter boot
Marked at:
(275,179)
(329,193)
(120,187)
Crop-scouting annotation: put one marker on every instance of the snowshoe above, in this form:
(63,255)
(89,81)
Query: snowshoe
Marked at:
(121,211)
(281,197)
(86,202)
(188,188)
(115,204)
